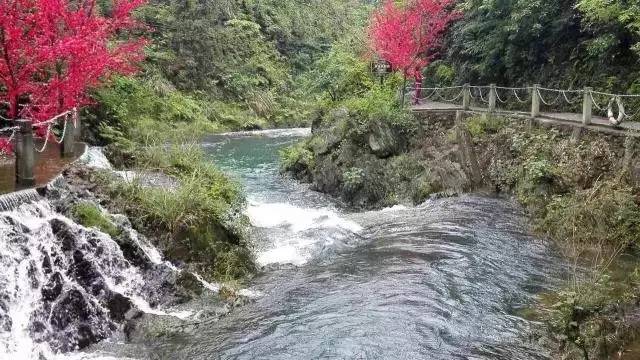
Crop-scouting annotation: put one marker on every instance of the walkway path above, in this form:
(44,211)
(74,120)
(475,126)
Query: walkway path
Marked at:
(486,99)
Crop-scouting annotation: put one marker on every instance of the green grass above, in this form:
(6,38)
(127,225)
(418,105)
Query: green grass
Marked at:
(89,215)
(480,126)
(201,221)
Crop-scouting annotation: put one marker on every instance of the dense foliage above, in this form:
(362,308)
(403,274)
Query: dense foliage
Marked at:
(53,51)
(569,43)
(235,64)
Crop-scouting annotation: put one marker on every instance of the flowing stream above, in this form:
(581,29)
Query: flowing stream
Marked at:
(443,280)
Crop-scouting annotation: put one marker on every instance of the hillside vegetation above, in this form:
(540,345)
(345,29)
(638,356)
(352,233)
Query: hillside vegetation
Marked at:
(227,64)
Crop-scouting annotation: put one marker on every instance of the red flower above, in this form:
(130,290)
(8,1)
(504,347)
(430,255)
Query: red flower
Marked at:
(408,36)
(53,51)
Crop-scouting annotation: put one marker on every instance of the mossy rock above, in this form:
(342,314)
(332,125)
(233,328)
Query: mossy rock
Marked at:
(382,140)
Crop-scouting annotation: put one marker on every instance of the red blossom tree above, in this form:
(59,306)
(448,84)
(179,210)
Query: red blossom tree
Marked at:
(408,35)
(53,51)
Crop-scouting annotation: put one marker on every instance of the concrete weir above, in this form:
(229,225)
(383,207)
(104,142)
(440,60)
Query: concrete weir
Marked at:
(12,200)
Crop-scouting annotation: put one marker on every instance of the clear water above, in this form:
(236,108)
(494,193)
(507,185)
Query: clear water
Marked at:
(444,280)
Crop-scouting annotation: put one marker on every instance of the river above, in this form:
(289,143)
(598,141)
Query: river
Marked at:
(443,280)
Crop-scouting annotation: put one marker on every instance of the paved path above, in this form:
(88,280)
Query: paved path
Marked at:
(572,119)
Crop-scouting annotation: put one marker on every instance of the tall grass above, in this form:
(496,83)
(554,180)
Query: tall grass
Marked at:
(200,221)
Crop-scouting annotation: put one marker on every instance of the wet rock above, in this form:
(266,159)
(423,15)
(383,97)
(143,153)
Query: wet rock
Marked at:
(326,176)
(187,286)
(64,234)
(52,289)
(77,323)
(46,264)
(5,320)
(17,227)
(152,326)
(119,306)
(71,308)
(87,274)
(129,246)
(132,314)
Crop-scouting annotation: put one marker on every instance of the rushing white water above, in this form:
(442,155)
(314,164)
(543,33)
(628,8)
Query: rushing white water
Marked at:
(32,257)
(279,209)
(61,280)
(296,218)
(298,225)
(272,133)
(94,158)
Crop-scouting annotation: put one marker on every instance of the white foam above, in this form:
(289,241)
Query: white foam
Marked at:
(272,133)
(283,254)
(251,294)
(394,208)
(94,158)
(297,219)
(211,286)
(300,241)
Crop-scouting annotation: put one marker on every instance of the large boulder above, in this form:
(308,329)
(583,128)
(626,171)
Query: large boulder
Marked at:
(327,176)
(383,140)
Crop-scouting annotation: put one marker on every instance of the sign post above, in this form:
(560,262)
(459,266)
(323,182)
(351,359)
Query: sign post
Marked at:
(381,68)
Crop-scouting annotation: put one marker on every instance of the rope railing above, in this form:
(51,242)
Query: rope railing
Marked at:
(25,148)
(11,129)
(50,123)
(560,100)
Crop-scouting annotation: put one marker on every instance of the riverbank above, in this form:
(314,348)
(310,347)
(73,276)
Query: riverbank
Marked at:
(581,192)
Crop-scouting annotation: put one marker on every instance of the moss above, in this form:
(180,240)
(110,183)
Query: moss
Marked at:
(481,126)
(297,155)
(89,215)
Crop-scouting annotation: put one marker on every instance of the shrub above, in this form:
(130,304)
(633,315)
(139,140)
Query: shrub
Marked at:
(606,214)
(296,157)
(586,316)
(353,179)
(480,126)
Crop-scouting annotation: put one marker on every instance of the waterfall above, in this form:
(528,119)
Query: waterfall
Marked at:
(12,200)
(64,286)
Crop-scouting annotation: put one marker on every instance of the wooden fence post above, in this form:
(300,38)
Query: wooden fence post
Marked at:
(492,97)
(535,101)
(25,157)
(587,106)
(68,141)
(466,97)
